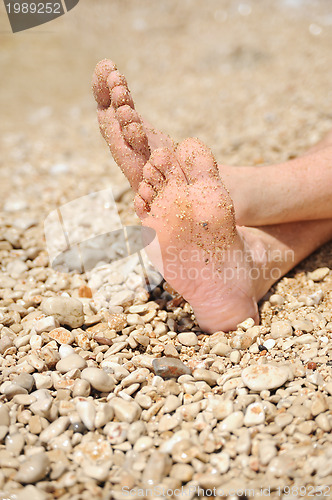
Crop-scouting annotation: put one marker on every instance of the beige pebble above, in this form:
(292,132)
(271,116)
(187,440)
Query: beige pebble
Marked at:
(81,388)
(87,412)
(276,300)
(125,411)
(169,422)
(259,377)
(208,376)
(187,339)
(303,324)
(73,361)
(232,422)
(246,324)
(33,469)
(319,274)
(54,429)
(183,472)
(221,349)
(223,409)
(4,415)
(267,451)
(171,403)
(66,310)
(281,329)
(62,335)
(99,379)
(254,415)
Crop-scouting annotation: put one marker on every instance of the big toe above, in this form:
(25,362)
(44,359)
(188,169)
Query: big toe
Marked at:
(196,160)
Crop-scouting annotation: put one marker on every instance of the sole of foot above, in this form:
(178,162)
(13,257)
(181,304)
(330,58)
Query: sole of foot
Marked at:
(198,249)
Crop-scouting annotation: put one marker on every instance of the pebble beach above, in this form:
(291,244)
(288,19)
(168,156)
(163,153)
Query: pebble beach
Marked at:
(110,389)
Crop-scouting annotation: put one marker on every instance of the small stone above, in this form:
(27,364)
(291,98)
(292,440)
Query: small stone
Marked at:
(35,426)
(312,365)
(260,377)
(319,405)
(87,413)
(209,376)
(85,291)
(62,335)
(223,409)
(81,388)
(187,339)
(71,362)
(122,298)
(169,422)
(31,491)
(323,421)
(221,349)
(15,443)
(117,322)
(269,344)
(67,310)
(5,343)
(155,470)
(276,300)
(319,274)
(267,451)
(171,403)
(235,357)
(125,411)
(170,351)
(281,329)
(42,381)
(282,466)
(246,324)
(65,350)
(45,324)
(54,429)
(99,379)
(303,324)
(33,469)
(221,461)
(232,422)
(182,472)
(170,367)
(4,415)
(255,415)
(24,380)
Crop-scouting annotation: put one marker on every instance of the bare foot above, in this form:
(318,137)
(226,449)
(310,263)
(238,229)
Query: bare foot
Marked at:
(204,256)
(129,138)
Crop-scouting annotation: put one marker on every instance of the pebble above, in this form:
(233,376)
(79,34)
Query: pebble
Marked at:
(31,492)
(221,349)
(71,362)
(246,324)
(33,469)
(156,468)
(233,421)
(122,298)
(4,415)
(125,411)
(170,367)
(269,344)
(208,376)
(188,339)
(62,335)
(267,451)
(98,379)
(235,357)
(45,324)
(303,324)
(54,429)
(318,274)
(171,403)
(260,377)
(182,472)
(283,419)
(87,412)
(15,443)
(66,310)
(24,380)
(276,300)
(221,461)
(254,415)
(281,329)
(223,409)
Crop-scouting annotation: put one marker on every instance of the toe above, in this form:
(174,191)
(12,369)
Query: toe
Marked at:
(153,176)
(164,160)
(99,82)
(196,160)
(136,137)
(121,96)
(141,207)
(116,78)
(125,115)
(146,192)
